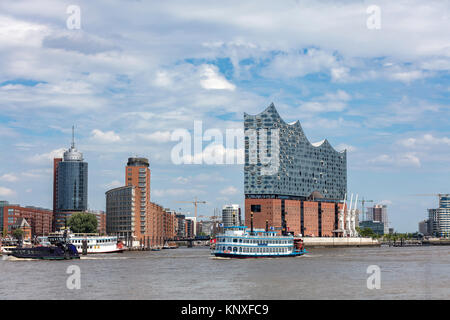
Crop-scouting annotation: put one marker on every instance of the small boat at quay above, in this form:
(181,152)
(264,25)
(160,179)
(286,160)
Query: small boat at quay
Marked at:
(241,242)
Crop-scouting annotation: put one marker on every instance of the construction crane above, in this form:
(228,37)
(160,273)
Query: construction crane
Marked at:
(212,218)
(432,194)
(363,201)
(439,195)
(195,202)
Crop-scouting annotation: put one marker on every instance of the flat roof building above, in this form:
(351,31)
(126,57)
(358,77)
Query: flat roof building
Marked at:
(39,219)
(231,215)
(120,214)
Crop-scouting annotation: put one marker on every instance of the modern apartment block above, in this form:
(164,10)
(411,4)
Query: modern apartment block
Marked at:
(137,174)
(132,216)
(439,219)
(70,186)
(190,227)
(121,214)
(293,185)
(39,219)
(378,213)
(231,215)
(181,223)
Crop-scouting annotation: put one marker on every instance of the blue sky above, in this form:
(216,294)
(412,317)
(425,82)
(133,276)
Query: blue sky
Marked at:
(137,70)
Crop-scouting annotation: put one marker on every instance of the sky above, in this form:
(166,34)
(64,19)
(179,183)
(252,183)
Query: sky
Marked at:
(129,73)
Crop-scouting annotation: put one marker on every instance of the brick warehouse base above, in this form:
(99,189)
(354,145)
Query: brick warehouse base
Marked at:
(308,218)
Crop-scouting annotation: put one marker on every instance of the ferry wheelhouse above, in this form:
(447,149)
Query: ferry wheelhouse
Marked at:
(241,242)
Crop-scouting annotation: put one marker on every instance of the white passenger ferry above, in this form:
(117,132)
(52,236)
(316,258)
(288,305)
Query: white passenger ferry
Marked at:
(241,242)
(94,242)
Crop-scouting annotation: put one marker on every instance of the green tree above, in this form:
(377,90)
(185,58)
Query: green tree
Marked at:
(18,234)
(83,222)
(367,232)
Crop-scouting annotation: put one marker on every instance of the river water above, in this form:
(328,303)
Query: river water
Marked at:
(192,273)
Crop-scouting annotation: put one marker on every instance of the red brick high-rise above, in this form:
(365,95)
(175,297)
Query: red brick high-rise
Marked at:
(137,174)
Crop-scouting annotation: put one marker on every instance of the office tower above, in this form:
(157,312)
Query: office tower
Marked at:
(70,188)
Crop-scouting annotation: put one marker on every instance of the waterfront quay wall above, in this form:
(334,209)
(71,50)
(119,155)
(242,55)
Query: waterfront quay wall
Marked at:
(339,242)
(436,242)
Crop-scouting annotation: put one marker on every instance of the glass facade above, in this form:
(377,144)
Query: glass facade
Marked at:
(72,186)
(301,169)
(120,211)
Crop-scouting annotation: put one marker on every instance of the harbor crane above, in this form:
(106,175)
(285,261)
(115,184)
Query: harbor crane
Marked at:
(195,202)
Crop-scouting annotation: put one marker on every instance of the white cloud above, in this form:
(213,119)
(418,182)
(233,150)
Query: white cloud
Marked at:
(408,76)
(181,180)
(211,79)
(397,160)
(425,141)
(409,159)
(37,173)
(343,146)
(107,137)
(9,177)
(176,192)
(330,102)
(113,184)
(293,65)
(229,191)
(5,192)
(46,158)
(158,136)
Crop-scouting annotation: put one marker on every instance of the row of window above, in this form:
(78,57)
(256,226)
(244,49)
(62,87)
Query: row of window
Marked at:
(253,249)
(95,241)
(253,241)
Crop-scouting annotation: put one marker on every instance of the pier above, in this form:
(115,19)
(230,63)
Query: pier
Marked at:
(340,242)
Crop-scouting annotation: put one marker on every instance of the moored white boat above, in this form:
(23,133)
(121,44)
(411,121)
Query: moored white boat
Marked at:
(94,243)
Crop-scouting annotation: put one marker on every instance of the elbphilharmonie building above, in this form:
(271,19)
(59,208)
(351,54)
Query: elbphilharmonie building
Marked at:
(300,169)
(291,184)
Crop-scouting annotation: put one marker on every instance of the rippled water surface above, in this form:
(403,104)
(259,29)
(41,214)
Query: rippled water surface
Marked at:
(325,273)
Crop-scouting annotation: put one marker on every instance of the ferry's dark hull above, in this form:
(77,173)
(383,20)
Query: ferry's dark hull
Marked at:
(44,253)
(248,256)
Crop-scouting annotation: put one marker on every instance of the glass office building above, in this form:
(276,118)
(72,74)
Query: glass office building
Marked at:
(72,182)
